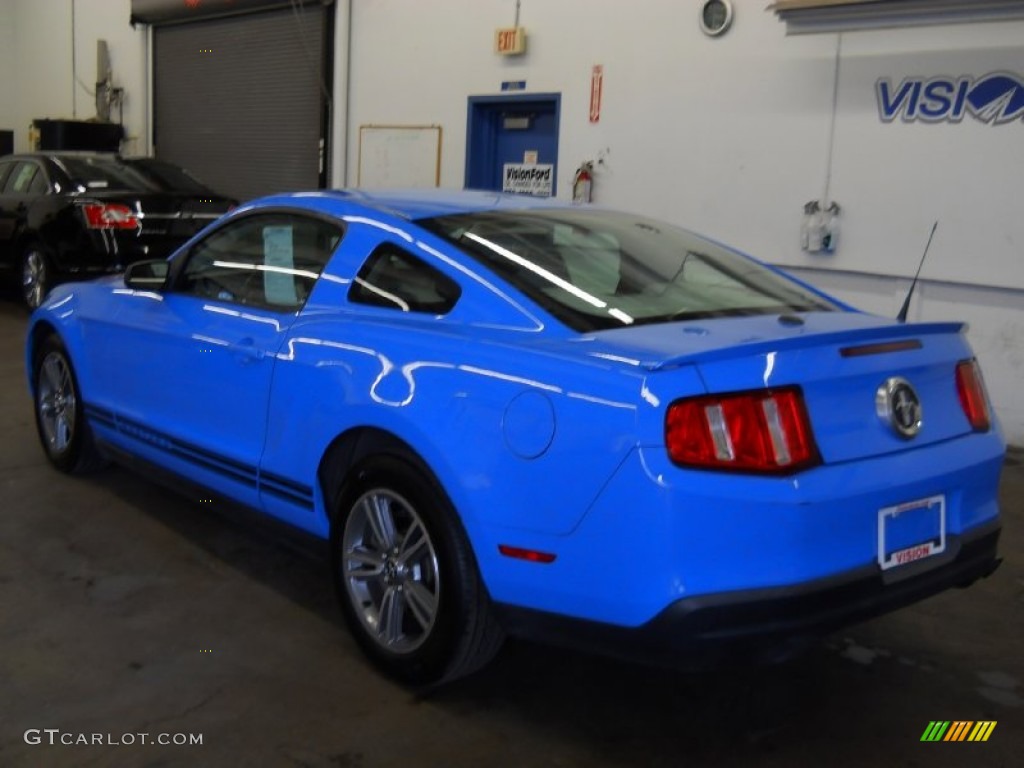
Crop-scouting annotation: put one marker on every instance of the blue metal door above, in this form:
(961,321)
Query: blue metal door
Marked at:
(510,129)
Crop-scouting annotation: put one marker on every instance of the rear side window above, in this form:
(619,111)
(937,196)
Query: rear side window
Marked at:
(394,278)
(39,185)
(21,178)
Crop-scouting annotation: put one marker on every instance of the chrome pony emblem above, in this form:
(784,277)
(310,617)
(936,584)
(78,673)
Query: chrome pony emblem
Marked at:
(897,404)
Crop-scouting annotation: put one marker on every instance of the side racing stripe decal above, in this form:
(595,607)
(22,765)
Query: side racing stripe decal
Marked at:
(281,487)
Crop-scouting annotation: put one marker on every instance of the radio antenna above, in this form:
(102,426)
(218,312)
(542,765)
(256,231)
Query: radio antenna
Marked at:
(902,316)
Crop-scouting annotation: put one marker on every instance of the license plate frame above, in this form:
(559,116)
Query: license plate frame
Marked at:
(912,531)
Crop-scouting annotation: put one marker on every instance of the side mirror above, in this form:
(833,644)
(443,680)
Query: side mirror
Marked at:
(147,275)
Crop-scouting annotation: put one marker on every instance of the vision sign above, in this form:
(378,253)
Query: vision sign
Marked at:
(995,98)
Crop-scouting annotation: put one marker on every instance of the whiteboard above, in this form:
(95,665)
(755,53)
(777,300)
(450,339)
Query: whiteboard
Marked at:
(399,156)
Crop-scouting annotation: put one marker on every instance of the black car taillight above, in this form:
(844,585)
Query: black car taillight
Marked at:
(109,216)
(760,431)
(970,388)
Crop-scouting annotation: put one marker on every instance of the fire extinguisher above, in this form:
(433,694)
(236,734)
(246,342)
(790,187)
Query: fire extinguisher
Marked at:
(583,183)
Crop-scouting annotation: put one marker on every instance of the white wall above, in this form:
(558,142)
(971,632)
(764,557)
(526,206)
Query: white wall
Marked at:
(695,126)
(731,136)
(8,95)
(44,82)
(108,20)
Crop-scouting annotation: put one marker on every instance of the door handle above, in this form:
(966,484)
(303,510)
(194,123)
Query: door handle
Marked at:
(247,352)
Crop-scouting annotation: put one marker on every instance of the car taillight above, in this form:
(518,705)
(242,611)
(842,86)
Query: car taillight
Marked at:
(970,388)
(109,216)
(759,431)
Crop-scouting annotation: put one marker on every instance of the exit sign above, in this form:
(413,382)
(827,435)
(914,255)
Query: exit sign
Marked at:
(510,41)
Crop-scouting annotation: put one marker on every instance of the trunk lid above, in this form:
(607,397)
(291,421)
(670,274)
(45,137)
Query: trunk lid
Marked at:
(166,214)
(180,216)
(165,220)
(842,361)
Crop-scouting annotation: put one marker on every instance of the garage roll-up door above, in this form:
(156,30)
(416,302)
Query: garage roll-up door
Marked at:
(241,101)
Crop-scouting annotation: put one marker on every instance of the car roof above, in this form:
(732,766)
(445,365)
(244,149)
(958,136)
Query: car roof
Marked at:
(63,153)
(75,154)
(413,204)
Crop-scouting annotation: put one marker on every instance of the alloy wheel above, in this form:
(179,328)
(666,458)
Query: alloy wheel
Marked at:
(33,278)
(390,571)
(56,403)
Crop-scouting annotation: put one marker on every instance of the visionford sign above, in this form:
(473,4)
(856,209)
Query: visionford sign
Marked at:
(528,178)
(995,98)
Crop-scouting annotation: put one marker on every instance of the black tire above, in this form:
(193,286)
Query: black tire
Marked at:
(36,278)
(397,544)
(60,417)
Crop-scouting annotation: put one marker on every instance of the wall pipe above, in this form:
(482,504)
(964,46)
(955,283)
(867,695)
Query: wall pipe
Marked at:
(342,79)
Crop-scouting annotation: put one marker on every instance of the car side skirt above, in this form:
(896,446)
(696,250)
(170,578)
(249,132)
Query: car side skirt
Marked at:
(122,428)
(245,517)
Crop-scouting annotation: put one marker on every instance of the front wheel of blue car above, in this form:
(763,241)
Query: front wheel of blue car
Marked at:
(60,419)
(407,579)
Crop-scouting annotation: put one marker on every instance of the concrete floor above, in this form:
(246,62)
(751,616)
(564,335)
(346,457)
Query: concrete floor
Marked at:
(125,609)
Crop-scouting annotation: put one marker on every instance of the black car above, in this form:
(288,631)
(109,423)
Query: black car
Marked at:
(76,215)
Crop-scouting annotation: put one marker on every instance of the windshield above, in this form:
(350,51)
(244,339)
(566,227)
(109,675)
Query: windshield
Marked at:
(598,269)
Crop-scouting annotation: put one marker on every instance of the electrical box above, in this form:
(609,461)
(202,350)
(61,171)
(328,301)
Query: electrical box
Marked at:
(510,41)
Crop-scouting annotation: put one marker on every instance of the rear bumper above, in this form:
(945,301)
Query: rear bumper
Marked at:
(763,624)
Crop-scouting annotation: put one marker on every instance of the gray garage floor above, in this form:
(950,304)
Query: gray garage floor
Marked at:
(125,610)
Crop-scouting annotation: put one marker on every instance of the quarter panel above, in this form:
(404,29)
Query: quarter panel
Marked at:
(446,390)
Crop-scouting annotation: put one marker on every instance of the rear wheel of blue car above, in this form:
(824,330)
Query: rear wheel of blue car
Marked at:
(60,420)
(407,579)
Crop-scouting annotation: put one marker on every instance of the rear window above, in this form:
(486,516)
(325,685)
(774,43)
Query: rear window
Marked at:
(167,176)
(105,173)
(139,175)
(598,269)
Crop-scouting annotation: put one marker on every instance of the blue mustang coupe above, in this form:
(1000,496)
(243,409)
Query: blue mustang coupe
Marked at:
(510,416)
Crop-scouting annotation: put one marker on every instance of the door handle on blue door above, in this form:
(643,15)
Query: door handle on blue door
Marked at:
(247,352)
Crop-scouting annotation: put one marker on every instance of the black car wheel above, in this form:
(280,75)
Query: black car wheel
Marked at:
(406,577)
(60,421)
(35,275)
